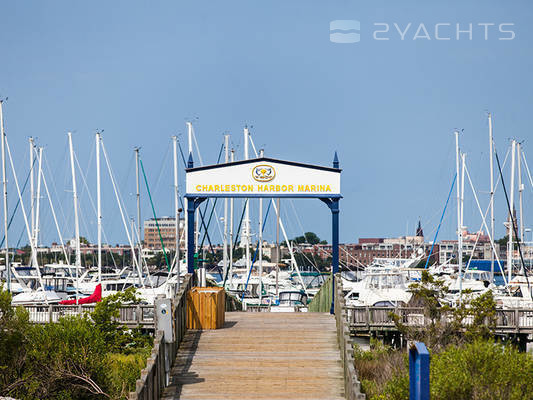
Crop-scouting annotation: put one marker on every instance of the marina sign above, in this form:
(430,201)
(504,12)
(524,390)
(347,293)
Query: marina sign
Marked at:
(263,177)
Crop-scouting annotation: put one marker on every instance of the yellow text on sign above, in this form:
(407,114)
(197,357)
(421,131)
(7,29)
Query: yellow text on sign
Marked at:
(262,188)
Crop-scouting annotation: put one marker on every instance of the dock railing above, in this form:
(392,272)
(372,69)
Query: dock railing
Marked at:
(365,319)
(322,300)
(155,377)
(130,315)
(352,386)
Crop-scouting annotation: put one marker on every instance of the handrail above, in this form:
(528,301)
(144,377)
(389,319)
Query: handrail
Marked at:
(322,300)
(130,314)
(365,318)
(352,386)
(155,377)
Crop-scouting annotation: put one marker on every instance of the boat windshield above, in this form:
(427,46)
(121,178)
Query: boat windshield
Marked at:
(477,275)
(293,298)
(385,281)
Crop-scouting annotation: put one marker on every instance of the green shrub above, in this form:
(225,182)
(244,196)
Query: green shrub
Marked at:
(67,357)
(123,371)
(482,370)
(15,334)
(379,367)
(397,388)
(119,338)
(83,357)
(479,370)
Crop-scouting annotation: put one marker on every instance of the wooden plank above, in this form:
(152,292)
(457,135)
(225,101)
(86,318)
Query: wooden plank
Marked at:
(260,356)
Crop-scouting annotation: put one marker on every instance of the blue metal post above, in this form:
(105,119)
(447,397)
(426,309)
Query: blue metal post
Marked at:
(190,226)
(418,372)
(334,247)
(334,207)
(190,235)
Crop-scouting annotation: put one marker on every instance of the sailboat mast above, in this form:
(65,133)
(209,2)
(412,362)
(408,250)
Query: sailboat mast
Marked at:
(231,204)
(26,223)
(76,221)
(99,207)
(510,246)
(138,197)
(492,221)
(520,190)
(197,217)
(189,136)
(463,161)
(176,207)
(189,141)
(261,154)
(278,250)
(246,232)
(225,249)
(38,202)
(32,189)
(459,227)
(4,185)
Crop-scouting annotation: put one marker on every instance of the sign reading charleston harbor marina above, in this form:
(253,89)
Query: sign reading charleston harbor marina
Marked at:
(264,178)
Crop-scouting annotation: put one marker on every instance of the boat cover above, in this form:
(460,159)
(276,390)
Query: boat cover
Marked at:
(96,297)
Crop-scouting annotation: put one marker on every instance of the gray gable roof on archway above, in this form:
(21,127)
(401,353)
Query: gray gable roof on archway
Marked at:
(263,177)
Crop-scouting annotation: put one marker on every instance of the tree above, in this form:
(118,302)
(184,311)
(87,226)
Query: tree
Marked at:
(474,318)
(119,338)
(311,238)
(66,359)
(308,237)
(504,240)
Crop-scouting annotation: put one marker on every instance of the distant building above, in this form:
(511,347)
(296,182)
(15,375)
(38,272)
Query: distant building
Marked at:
(476,244)
(419,231)
(167,227)
(367,249)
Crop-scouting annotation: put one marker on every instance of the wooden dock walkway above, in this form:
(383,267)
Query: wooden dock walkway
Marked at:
(260,356)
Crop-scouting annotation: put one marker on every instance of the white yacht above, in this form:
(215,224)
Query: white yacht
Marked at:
(291,301)
(473,280)
(380,287)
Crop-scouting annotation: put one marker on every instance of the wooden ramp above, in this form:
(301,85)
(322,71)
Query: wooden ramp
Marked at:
(260,356)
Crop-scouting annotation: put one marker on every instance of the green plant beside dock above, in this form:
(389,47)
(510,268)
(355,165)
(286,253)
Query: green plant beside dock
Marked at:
(467,362)
(80,357)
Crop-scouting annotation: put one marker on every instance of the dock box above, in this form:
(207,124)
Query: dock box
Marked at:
(206,308)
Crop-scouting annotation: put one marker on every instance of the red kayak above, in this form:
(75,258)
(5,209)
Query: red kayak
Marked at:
(96,297)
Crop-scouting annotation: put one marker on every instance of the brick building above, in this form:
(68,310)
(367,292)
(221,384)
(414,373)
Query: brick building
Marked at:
(167,226)
(368,249)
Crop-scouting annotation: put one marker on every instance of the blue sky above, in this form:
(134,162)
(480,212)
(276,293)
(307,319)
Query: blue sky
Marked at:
(139,70)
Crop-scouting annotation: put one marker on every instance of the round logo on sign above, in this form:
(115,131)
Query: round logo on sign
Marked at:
(263,173)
